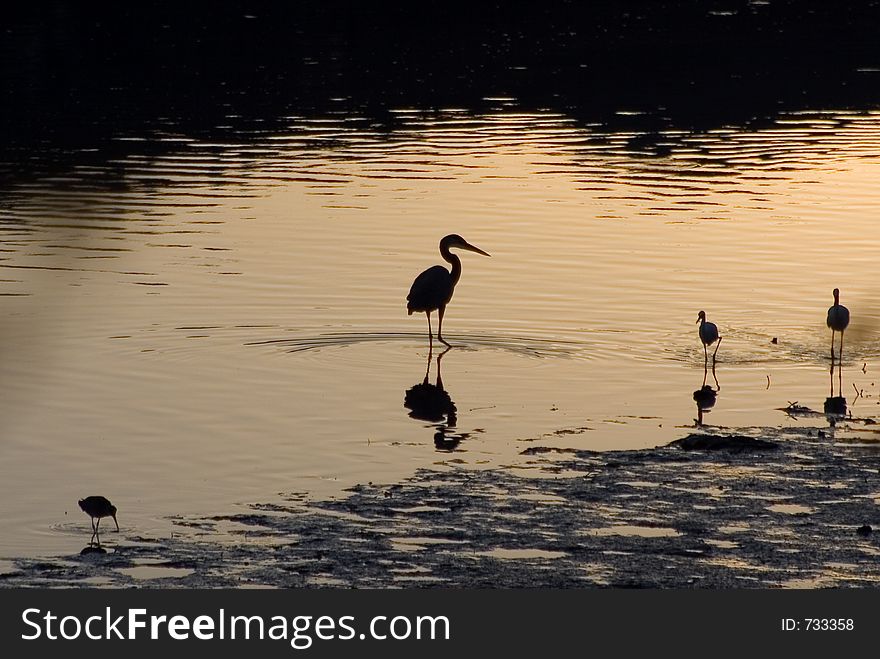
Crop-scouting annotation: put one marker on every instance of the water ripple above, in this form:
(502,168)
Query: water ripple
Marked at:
(524,345)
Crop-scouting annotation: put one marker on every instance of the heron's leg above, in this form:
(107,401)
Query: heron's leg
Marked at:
(439,378)
(716,352)
(840,355)
(428,367)
(441,311)
(832,345)
(430,333)
(705,354)
(705,373)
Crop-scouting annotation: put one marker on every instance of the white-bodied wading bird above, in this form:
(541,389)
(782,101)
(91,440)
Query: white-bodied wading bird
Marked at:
(838,319)
(708,335)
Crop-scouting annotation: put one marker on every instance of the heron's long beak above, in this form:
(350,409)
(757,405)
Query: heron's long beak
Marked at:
(115,522)
(698,319)
(471,248)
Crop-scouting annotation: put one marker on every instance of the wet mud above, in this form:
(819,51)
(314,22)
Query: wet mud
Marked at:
(775,508)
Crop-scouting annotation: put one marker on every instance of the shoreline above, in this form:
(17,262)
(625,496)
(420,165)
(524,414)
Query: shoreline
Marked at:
(789,508)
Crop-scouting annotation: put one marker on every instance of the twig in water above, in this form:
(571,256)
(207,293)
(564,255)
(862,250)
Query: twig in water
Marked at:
(859,394)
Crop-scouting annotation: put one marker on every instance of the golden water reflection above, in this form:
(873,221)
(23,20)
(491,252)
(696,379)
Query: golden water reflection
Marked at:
(227,321)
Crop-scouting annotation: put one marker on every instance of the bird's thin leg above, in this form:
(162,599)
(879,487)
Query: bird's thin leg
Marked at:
(705,355)
(716,352)
(441,311)
(831,380)
(439,357)
(717,386)
(705,372)
(840,355)
(428,368)
(832,345)
(430,333)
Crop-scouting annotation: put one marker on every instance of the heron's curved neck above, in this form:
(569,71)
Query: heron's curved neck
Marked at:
(454,260)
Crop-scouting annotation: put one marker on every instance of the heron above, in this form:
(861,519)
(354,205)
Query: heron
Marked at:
(838,320)
(708,335)
(434,287)
(97,507)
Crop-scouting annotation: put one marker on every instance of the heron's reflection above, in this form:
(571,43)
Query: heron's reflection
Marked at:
(835,406)
(705,397)
(432,403)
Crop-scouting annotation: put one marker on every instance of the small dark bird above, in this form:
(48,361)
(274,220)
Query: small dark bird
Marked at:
(97,507)
(434,287)
(708,335)
(838,320)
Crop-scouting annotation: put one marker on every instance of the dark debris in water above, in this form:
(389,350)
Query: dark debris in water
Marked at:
(795,409)
(726,512)
(732,443)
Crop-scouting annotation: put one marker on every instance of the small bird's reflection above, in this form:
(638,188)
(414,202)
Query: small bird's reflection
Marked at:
(432,403)
(705,397)
(835,406)
(94,547)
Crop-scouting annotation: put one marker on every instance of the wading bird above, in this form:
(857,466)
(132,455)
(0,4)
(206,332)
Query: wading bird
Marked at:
(708,335)
(434,287)
(838,319)
(97,507)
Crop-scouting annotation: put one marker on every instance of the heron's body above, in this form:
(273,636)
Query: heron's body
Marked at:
(97,507)
(708,335)
(432,290)
(837,320)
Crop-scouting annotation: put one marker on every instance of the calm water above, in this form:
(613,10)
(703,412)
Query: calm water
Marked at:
(190,328)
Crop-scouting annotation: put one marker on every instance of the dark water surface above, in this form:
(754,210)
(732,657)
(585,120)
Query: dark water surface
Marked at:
(206,246)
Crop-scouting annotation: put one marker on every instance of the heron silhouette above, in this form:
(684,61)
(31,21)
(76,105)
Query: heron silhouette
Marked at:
(433,289)
(97,507)
(708,335)
(837,320)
